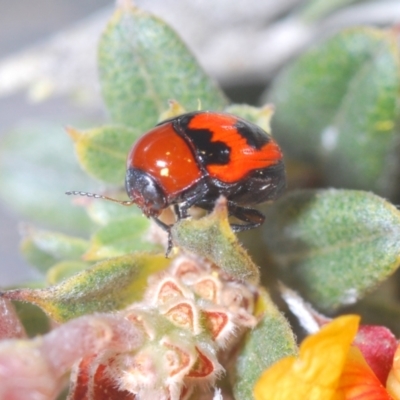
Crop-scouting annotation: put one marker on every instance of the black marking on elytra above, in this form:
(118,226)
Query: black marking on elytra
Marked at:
(207,151)
(253,134)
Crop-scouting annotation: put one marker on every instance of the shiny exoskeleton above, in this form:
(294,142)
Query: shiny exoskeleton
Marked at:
(193,159)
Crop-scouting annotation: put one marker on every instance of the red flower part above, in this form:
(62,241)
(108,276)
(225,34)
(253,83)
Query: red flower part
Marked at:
(237,296)
(96,385)
(178,360)
(378,345)
(80,385)
(168,290)
(184,314)
(185,268)
(207,288)
(218,323)
(203,366)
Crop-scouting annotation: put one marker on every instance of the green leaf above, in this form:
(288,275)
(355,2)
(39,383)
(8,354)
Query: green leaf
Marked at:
(313,10)
(65,269)
(107,286)
(334,246)
(260,116)
(212,238)
(44,248)
(103,212)
(121,237)
(33,319)
(267,343)
(143,64)
(337,107)
(36,257)
(37,166)
(102,152)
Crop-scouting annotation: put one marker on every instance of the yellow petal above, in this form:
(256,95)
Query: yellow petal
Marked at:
(315,374)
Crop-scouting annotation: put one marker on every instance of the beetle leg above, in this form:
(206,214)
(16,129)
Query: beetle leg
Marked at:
(252,217)
(178,212)
(162,225)
(190,202)
(166,228)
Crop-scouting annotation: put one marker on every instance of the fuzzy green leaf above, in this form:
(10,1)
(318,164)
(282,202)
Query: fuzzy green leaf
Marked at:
(65,269)
(34,256)
(107,286)
(337,107)
(143,64)
(212,237)
(102,152)
(37,166)
(268,342)
(103,212)
(33,319)
(44,248)
(334,246)
(120,237)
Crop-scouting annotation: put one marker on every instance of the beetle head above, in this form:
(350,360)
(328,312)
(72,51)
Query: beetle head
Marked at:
(144,191)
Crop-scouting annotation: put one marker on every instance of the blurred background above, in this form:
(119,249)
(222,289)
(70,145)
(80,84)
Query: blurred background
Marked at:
(25,25)
(48,80)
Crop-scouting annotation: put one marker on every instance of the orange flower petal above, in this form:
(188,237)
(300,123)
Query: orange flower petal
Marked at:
(358,381)
(315,374)
(393,381)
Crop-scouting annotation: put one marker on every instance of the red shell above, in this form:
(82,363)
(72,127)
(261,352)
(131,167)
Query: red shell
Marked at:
(195,158)
(244,158)
(172,157)
(163,154)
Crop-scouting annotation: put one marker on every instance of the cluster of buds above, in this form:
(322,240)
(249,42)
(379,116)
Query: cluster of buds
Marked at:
(190,313)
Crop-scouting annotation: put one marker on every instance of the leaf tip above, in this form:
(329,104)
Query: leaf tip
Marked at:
(220,207)
(17,294)
(91,253)
(266,113)
(221,214)
(175,109)
(125,5)
(73,133)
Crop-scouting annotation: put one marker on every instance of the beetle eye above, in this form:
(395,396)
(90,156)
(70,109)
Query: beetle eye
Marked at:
(145,192)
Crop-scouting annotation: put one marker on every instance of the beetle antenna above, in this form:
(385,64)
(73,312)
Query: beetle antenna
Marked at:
(99,196)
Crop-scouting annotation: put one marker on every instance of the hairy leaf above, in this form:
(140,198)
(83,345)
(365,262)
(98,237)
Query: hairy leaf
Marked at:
(143,64)
(271,340)
(333,245)
(337,108)
(102,152)
(120,237)
(212,237)
(109,285)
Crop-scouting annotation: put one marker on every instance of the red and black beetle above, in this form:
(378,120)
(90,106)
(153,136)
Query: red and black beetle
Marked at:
(193,159)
